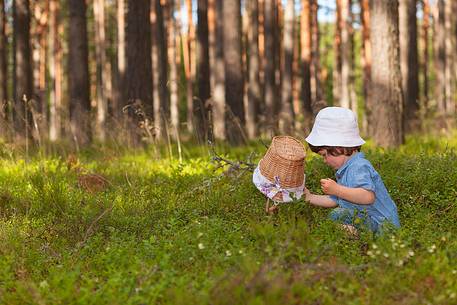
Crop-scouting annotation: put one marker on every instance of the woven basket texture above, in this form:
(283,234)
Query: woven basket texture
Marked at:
(284,158)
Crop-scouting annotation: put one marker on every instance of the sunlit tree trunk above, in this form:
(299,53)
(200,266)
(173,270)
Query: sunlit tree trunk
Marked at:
(305,56)
(203,66)
(118,89)
(425,52)
(345,100)
(409,63)
(159,69)
(103,78)
(54,96)
(449,24)
(440,56)
(234,80)
(316,89)
(366,59)
(3,72)
(23,81)
(219,102)
(269,65)
(187,50)
(286,115)
(254,91)
(78,74)
(172,55)
(336,89)
(386,112)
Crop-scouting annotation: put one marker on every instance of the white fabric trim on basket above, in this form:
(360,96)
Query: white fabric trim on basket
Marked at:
(271,188)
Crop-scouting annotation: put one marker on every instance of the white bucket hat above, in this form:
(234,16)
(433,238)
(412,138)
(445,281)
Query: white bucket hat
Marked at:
(335,126)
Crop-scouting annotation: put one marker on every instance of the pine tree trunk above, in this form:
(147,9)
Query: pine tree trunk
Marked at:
(159,70)
(449,53)
(386,113)
(186,47)
(119,97)
(138,77)
(254,91)
(200,104)
(425,52)
(306,40)
(409,63)
(78,74)
(103,80)
(316,89)
(172,54)
(269,66)
(234,82)
(3,73)
(219,102)
(345,100)
(23,86)
(336,90)
(286,116)
(440,56)
(366,59)
(54,101)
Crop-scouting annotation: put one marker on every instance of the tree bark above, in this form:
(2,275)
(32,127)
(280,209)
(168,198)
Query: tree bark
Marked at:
(316,90)
(254,90)
(172,55)
(449,53)
(234,82)
(3,73)
(386,114)
(203,66)
(103,79)
(23,81)
(286,116)
(54,95)
(159,69)
(305,56)
(119,96)
(138,78)
(346,47)
(440,56)
(366,59)
(425,52)
(269,66)
(186,40)
(409,63)
(78,74)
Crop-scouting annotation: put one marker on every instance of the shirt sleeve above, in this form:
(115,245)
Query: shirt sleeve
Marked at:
(361,177)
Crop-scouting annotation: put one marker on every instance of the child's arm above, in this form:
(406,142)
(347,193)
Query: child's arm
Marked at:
(319,200)
(355,195)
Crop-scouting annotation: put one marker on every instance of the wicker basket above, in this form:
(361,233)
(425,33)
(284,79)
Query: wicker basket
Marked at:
(285,159)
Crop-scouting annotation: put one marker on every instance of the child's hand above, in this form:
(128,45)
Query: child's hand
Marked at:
(307,193)
(329,186)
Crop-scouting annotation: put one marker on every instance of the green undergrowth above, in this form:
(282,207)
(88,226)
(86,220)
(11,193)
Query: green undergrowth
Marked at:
(167,231)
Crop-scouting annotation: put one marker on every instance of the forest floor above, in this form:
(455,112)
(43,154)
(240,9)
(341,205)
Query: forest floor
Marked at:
(114,226)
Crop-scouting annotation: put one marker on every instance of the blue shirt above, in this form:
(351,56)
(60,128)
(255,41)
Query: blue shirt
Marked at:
(358,172)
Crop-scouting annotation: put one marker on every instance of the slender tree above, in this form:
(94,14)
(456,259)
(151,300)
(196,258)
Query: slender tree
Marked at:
(449,24)
(120,70)
(409,63)
(159,69)
(200,104)
(3,71)
(336,88)
(425,51)
(346,48)
(305,56)
(234,80)
(254,90)
(23,82)
(270,65)
(78,74)
(103,77)
(366,57)
(440,56)
(286,115)
(186,42)
(138,77)
(385,114)
(316,89)
(55,96)
(172,57)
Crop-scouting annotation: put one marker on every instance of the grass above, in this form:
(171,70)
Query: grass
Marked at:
(165,232)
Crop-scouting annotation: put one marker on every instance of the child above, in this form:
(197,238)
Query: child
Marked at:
(358,194)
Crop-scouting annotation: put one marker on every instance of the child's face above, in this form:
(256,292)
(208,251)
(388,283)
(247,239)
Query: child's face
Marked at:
(334,162)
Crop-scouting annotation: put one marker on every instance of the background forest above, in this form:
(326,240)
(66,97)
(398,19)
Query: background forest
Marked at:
(110,192)
(148,70)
